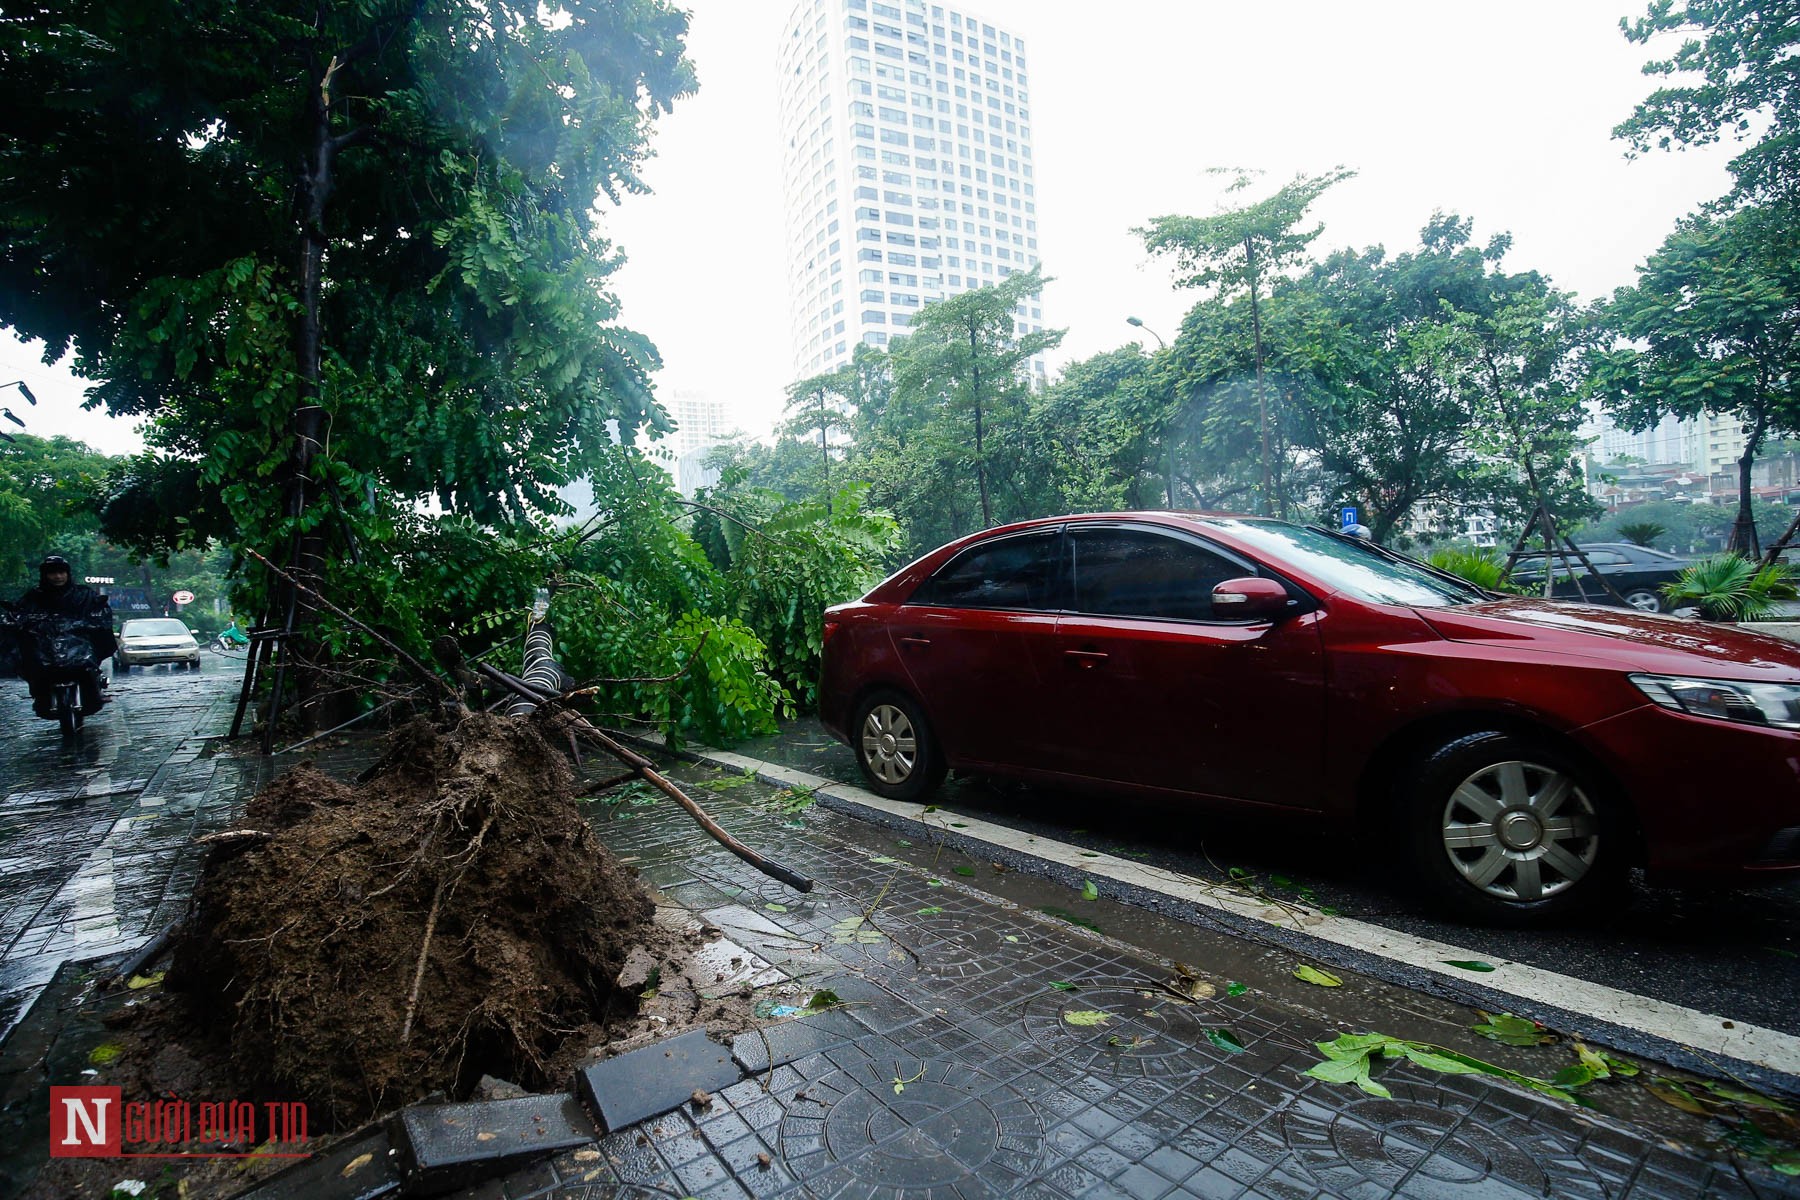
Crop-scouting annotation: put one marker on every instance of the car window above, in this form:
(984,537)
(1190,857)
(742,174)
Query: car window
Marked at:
(1016,572)
(1138,573)
(170,628)
(1355,567)
(1606,558)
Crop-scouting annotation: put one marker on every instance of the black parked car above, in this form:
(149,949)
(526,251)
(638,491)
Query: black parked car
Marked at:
(1637,572)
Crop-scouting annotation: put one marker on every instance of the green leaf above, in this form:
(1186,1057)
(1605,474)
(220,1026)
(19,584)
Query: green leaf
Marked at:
(883,860)
(963,870)
(1060,986)
(1354,1045)
(1576,1075)
(1514,1031)
(824,998)
(1226,1040)
(1086,1017)
(1089,891)
(1235,989)
(1738,1095)
(931,911)
(1469,964)
(1672,1093)
(1012,937)
(773,907)
(1311,974)
(1438,1062)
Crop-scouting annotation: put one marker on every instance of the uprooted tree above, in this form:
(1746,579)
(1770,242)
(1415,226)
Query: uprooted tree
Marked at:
(347,258)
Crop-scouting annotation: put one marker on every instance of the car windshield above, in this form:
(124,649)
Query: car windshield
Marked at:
(154,629)
(1352,566)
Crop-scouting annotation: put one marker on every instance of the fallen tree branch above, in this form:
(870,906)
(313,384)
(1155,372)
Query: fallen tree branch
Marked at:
(644,767)
(425,674)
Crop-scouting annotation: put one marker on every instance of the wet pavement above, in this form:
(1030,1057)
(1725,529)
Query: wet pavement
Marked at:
(1731,952)
(95,829)
(999,1035)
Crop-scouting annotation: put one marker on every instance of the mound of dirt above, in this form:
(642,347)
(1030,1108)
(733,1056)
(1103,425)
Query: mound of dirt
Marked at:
(453,916)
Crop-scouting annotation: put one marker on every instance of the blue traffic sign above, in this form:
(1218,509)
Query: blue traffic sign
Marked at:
(1347,518)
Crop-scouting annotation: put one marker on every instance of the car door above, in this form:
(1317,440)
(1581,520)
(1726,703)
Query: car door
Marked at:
(1158,690)
(971,639)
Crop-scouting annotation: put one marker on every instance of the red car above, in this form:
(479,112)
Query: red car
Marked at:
(1525,752)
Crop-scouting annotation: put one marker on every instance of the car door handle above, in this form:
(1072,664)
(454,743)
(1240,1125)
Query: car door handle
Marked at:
(915,641)
(1087,660)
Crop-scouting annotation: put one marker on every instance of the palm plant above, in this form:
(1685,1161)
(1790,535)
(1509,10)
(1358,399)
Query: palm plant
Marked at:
(1642,533)
(1730,587)
(1483,568)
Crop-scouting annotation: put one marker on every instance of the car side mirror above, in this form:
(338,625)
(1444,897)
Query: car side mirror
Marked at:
(1249,598)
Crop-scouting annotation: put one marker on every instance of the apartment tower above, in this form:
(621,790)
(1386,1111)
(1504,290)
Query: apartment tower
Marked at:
(906,166)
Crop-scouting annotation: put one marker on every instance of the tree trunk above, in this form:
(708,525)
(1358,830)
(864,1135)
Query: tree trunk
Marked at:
(1743,531)
(1262,404)
(987,509)
(306,558)
(824,453)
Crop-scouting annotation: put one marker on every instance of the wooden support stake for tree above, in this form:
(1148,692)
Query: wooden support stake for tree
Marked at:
(1773,553)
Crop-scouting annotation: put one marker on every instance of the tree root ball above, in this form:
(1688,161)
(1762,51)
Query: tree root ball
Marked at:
(465,852)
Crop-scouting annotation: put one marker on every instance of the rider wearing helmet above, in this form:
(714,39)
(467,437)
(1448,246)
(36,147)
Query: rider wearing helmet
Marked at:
(58,594)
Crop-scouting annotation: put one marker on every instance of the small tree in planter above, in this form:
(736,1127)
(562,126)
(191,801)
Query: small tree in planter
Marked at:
(1730,587)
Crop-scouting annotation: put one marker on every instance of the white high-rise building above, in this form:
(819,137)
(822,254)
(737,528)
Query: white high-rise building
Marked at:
(907,168)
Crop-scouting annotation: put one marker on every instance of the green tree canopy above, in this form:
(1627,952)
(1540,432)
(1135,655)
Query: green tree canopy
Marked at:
(1711,326)
(46,503)
(1733,72)
(350,245)
(961,377)
(1239,253)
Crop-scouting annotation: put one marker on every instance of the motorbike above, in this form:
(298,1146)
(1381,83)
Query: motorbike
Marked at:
(61,651)
(230,638)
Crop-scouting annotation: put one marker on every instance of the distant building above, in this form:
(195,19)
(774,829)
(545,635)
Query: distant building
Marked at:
(906,167)
(1705,445)
(700,424)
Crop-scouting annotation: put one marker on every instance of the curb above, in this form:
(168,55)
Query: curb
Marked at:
(1701,1043)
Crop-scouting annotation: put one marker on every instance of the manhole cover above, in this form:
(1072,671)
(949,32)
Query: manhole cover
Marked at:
(1420,1147)
(908,1123)
(611,1191)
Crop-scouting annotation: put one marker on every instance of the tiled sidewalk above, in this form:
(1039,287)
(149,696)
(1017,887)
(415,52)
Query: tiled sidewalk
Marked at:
(953,1072)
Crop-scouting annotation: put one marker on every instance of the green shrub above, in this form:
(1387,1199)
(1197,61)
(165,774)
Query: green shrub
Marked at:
(1730,587)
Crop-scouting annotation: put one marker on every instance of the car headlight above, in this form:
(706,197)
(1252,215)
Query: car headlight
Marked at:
(1772,704)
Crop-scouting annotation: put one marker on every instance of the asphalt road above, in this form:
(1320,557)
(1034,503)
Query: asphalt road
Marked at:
(1732,953)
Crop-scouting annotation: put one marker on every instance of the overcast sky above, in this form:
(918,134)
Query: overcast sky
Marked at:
(1502,113)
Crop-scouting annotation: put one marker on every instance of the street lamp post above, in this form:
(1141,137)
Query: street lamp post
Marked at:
(8,413)
(1169,480)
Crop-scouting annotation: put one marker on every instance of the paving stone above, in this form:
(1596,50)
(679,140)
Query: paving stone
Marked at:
(442,1147)
(358,1168)
(776,1045)
(656,1079)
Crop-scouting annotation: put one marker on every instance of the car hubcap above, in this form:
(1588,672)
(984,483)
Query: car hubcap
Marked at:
(1643,602)
(1521,831)
(890,746)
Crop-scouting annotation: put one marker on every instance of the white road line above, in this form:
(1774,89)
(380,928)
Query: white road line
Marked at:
(1703,1032)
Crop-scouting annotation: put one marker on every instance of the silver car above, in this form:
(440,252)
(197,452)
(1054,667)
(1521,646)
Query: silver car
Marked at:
(156,640)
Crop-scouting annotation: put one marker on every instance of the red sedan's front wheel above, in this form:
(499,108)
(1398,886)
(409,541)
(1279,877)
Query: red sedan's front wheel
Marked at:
(1510,831)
